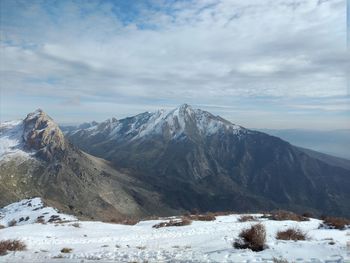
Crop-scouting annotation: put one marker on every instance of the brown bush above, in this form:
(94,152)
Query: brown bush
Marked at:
(286,215)
(66,250)
(1,226)
(184,221)
(253,238)
(291,234)
(308,214)
(336,222)
(40,220)
(246,218)
(125,221)
(223,213)
(202,217)
(11,245)
(13,222)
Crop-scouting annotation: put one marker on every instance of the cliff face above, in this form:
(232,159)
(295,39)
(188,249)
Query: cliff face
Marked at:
(42,134)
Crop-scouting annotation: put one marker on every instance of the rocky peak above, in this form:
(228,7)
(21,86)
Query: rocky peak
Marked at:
(42,134)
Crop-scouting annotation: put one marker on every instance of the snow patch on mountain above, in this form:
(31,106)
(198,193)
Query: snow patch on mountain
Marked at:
(174,123)
(178,121)
(29,211)
(11,140)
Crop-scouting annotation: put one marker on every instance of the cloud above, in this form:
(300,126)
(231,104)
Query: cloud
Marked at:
(211,52)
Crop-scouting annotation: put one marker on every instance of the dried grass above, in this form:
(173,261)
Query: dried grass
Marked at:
(11,245)
(336,223)
(253,238)
(291,234)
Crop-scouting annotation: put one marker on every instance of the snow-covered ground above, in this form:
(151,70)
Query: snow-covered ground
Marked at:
(11,140)
(28,211)
(199,242)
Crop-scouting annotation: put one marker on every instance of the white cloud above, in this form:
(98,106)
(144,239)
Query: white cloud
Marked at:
(209,51)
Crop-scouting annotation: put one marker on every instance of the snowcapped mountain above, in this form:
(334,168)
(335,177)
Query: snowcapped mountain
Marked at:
(171,161)
(172,124)
(36,135)
(37,160)
(198,160)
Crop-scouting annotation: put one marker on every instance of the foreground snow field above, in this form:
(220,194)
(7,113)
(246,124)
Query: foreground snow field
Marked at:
(199,242)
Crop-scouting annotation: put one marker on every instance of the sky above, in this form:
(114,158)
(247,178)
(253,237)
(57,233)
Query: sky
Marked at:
(276,64)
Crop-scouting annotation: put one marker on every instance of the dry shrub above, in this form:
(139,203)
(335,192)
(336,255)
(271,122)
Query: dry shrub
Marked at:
(13,222)
(184,221)
(291,234)
(246,218)
(40,220)
(11,245)
(336,222)
(66,250)
(54,218)
(1,226)
(308,214)
(253,238)
(286,215)
(202,217)
(125,221)
(223,213)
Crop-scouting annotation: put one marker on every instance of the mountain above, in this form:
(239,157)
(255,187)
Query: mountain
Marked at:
(333,142)
(197,160)
(37,160)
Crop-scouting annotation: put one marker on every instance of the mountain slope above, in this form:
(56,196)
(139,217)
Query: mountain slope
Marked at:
(198,160)
(333,142)
(37,160)
(331,160)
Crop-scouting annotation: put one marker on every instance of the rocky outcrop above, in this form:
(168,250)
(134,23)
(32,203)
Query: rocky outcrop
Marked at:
(42,134)
(37,160)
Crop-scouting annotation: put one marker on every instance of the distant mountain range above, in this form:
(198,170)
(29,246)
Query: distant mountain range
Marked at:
(166,162)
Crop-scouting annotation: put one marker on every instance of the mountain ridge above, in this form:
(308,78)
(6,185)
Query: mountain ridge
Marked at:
(167,162)
(230,162)
(37,160)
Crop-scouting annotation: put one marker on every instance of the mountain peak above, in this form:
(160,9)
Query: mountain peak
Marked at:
(42,134)
(185,106)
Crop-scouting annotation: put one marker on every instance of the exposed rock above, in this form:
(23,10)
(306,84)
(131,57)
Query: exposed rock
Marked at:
(43,135)
(198,160)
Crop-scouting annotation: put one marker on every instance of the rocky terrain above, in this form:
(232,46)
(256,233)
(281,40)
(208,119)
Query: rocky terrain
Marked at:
(165,163)
(37,160)
(198,160)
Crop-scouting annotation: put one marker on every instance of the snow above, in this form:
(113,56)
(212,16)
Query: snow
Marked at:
(34,115)
(27,211)
(175,120)
(11,140)
(198,242)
